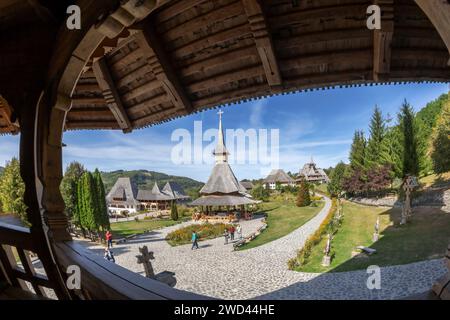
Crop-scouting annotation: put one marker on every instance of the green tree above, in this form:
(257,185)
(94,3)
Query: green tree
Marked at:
(260,193)
(12,189)
(101,212)
(358,150)
(412,152)
(87,202)
(303,196)
(69,183)
(335,187)
(427,119)
(440,153)
(174,211)
(377,129)
(392,151)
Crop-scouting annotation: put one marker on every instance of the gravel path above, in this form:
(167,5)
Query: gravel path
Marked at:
(218,271)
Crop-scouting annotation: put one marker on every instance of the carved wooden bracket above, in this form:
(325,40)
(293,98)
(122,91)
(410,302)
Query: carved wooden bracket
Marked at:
(263,41)
(111,95)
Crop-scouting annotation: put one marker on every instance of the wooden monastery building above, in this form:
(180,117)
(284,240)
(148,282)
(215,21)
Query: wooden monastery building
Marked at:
(311,173)
(125,197)
(248,185)
(140,63)
(223,194)
(278,177)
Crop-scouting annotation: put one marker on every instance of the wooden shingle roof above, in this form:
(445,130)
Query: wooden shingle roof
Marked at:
(278,175)
(190,55)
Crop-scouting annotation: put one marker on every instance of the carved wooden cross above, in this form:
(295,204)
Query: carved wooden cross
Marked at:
(145,258)
(409,184)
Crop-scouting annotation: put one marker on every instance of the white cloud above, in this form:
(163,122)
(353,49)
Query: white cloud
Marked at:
(256,116)
(312,144)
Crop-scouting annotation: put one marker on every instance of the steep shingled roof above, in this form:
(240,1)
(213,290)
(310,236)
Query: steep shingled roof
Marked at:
(222,180)
(278,175)
(175,190)
(124,189)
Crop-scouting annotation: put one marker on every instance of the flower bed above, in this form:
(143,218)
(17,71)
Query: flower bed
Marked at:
(314,239)
(205,231)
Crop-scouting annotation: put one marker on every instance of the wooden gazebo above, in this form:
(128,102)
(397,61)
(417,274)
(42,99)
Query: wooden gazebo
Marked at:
(137,63)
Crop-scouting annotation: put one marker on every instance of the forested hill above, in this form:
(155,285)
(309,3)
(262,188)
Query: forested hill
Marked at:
(1,170)
(430,114)
(145,179)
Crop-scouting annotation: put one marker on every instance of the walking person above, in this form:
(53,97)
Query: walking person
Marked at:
(109,255)
(232,231)
(194,239)
(226,235)
(239,231)
(109,239)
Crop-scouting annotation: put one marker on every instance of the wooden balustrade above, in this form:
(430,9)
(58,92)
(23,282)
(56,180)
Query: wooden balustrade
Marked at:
(19,239)
(100,279)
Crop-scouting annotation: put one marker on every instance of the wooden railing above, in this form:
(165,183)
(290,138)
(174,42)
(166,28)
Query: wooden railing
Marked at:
(17,245)
(99,279)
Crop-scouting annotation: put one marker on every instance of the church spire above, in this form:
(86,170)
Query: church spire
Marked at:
(220,152)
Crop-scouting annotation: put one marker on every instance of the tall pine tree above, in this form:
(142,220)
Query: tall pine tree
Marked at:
(410,140)
(303,197)
(377,129)
(101,207)
(336,185)
(88,202)
(73,174)
(358,150)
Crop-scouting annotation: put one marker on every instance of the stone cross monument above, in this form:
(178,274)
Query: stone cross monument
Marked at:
(144,259)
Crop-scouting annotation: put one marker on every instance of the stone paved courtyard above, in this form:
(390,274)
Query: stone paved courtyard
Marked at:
(218,271)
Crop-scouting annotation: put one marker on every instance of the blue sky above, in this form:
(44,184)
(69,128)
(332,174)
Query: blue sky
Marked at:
(319,124)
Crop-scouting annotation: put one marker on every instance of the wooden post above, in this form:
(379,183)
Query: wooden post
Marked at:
(37,217)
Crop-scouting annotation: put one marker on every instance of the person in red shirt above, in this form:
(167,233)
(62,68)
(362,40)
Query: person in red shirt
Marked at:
(232,230)
(109,238)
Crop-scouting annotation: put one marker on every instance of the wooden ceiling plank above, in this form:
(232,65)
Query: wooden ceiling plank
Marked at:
(162,68)
(263,41)
(110,94)
(382,41)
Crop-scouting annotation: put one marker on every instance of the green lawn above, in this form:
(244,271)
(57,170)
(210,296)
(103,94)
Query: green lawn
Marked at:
(123,229)
(436,180)
(283,217)
(425,237)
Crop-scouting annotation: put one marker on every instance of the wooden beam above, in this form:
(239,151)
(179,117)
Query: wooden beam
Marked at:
(111,95)
(161,67)
(382,41)
(263,41)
